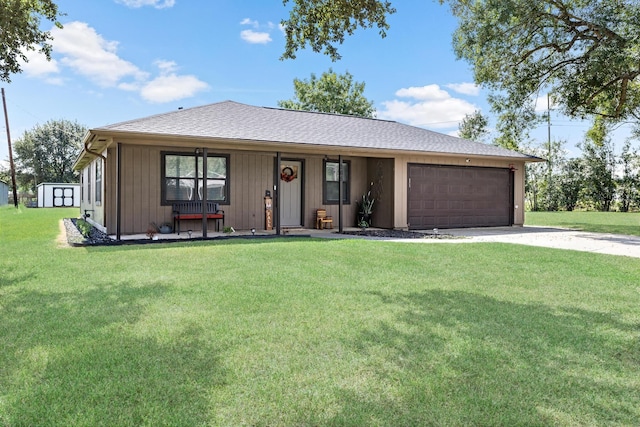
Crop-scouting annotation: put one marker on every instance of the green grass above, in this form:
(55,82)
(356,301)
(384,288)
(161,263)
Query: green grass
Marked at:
(599,222)
(271,332)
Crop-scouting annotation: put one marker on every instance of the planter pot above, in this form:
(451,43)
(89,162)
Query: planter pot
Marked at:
(165,229)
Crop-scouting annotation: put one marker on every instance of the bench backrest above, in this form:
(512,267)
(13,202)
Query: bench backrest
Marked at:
(194,207)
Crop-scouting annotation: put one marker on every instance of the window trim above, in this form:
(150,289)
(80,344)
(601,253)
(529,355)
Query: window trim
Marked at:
(347,190)
(163,156)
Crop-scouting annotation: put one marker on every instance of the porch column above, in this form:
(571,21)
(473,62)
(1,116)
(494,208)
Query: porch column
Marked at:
(204,191)
(276,193)
(118,190)
(340,194)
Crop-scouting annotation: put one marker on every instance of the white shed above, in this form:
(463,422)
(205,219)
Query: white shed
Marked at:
(58,195)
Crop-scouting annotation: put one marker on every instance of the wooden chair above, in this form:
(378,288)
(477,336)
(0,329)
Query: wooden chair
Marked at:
(322,219)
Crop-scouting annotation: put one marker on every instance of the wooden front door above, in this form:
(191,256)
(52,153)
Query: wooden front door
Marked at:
(291,174)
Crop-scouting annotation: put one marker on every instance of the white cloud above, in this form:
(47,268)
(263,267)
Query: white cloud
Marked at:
(169,86)
(429,92)
(89,54)
(37,65)
(542,103)
(255,37)
(465,88)
(434,108)
(248,21)
(158,4)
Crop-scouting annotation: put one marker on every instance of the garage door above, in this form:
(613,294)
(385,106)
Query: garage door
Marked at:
(458,197)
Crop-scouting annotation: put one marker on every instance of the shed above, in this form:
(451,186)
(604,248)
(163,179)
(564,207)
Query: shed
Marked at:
(4,193)
(58,195)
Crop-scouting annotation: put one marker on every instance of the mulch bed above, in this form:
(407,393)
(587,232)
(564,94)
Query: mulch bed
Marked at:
(98,238)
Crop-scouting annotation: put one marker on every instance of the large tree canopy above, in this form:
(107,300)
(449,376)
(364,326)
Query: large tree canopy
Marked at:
(585,52)
(20,32)
(322,24)
(47,152)
(331,93)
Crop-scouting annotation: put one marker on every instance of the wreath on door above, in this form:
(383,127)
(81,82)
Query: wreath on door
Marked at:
(288,173)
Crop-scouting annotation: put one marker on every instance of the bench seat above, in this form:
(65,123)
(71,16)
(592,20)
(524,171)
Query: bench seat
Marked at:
(193,210)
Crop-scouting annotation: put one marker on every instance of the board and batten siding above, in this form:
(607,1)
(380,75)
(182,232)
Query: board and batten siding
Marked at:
(251,175)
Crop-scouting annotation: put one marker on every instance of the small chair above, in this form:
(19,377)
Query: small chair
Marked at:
(322,219)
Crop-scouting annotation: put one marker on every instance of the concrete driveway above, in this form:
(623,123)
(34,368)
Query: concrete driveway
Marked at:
(613,244)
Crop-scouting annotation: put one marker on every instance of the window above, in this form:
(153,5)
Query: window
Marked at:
(182,178)
(89,183)
(331,182)
(98,182)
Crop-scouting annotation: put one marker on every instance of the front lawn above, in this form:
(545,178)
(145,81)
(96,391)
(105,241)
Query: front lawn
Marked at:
(281,332)
(598,222)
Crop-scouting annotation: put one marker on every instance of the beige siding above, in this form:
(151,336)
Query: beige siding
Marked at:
(252,173)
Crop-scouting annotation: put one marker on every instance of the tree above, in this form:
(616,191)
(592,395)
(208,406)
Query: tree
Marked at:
(331,93)
(20,32)
(47,152)
(629,181)
(323,24)
(583,52)
(474,127)
(599,164)
(570,184)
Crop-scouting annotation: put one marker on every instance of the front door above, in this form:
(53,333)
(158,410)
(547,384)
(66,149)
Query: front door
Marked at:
(291,193)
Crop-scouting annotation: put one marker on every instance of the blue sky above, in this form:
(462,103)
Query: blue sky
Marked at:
(117,60)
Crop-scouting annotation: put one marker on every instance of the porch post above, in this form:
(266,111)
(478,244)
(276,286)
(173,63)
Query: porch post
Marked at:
(118,190)
(340,194)
(204,191)
(276,193)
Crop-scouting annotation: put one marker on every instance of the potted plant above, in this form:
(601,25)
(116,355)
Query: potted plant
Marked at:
(365,210)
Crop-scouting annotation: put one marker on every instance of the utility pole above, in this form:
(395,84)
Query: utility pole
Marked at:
(11,165)
(549,162)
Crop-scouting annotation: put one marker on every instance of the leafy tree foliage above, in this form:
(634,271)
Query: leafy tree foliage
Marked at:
(47,153)
(570,184)
(322,24)
(585,52)
(20,32)
(629,182)
(331,93)
(599,183)
(474,127)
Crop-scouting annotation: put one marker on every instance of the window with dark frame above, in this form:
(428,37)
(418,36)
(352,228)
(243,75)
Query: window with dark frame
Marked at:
(331,182)
(182,177)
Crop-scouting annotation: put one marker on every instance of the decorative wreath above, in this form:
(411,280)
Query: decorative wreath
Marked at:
(287,174)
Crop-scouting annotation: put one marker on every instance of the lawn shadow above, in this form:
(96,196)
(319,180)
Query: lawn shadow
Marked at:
(458,358)
(74,358)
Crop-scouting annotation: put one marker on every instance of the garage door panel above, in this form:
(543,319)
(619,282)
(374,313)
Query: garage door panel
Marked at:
(453,196)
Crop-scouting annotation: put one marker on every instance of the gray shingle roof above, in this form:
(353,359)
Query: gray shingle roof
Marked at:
(235,121)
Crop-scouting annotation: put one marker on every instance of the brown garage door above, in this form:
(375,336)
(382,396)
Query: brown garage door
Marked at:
(458,197)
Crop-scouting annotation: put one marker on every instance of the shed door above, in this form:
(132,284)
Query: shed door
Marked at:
(458,197)
(62,197)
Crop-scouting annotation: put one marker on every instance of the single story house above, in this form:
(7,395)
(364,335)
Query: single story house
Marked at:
(132,172)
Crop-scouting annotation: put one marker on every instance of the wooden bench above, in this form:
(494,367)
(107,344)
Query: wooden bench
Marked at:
(193,210)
